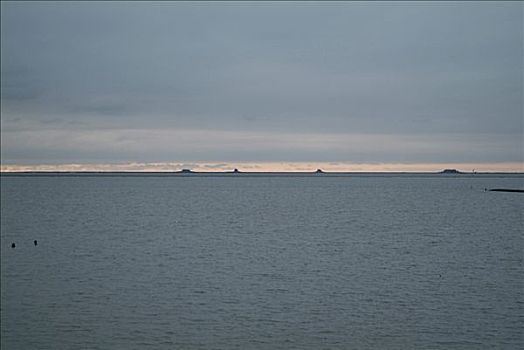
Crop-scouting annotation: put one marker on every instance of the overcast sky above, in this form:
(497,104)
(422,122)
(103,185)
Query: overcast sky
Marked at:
(356,82)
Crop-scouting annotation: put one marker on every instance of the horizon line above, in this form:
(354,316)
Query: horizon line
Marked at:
(323,172)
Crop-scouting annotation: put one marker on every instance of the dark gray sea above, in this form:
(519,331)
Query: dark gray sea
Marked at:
(239,262)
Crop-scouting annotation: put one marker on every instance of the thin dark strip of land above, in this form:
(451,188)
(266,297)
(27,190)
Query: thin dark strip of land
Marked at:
(506,190)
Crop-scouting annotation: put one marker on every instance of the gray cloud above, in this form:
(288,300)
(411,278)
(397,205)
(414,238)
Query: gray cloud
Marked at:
(447,73)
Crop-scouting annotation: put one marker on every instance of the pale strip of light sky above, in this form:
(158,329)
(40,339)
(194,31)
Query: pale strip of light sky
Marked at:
(511,167)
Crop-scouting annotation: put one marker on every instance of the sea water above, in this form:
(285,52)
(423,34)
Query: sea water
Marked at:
(237,262)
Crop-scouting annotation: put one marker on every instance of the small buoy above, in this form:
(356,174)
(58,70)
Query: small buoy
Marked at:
(13,245)
(35,242)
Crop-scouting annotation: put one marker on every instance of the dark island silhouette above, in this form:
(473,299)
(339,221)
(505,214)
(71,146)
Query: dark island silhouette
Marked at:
(451,171)
(184,171)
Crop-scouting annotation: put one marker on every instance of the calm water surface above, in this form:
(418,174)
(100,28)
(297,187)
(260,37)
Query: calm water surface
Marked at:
(261,263)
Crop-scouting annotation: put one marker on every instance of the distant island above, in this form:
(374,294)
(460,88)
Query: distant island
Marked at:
(450,171)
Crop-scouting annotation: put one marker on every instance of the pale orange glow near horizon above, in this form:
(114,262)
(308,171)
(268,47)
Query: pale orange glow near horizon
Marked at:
(513,167)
